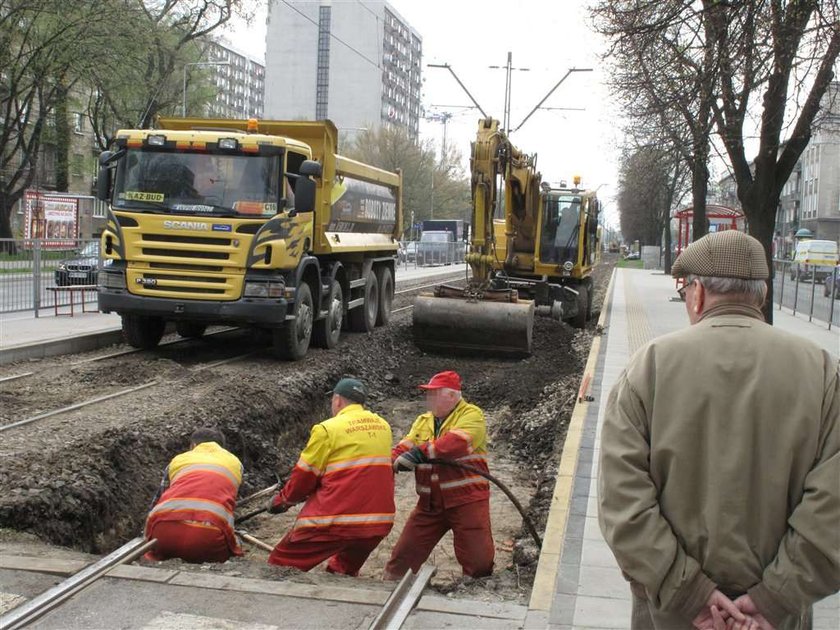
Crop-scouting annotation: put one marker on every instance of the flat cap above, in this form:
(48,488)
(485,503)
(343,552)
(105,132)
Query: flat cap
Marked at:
(728,254)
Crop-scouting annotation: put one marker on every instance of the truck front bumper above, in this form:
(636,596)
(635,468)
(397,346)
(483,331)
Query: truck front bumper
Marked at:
(264,312)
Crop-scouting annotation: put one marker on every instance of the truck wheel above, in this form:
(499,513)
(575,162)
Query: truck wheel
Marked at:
(325,332)
(363,318)
(386,295)
(580,318)
(141,331)
(292,340)
(190,330)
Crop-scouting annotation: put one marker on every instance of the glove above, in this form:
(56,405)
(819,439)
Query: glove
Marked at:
(409,460)
(276,505)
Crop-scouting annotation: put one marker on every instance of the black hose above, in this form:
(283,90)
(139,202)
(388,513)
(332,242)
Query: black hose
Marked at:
(525,518)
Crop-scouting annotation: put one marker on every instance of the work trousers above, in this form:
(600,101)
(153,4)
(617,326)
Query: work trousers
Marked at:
(189,541)
(470,525)
(346,556)
(646,617)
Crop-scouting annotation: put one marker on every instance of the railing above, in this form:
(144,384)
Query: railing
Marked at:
(431,253)
(808,290)
(32,269)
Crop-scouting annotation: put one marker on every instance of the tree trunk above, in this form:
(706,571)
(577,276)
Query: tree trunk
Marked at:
(7,204)
(62,141)
(761,226)
(699,190)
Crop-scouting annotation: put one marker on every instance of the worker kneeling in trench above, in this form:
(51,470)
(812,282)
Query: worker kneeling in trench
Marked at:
(192,517)
(449,497)
(344,474)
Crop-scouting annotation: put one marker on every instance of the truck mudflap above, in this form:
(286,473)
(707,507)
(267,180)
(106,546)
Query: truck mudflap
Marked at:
(268,313)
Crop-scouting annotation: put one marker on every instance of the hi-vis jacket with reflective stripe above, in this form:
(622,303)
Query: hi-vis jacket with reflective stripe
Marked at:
(345,476)
(462,438)
(202,488)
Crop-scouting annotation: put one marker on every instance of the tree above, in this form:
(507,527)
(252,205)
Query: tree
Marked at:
(430,186)
(785,51)
(45,45)
(662,62)
(146,76)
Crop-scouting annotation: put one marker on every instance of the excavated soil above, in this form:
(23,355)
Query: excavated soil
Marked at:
(85,479)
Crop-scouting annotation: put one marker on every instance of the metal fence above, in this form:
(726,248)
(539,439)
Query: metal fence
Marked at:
(38,274)
(807,290)
(431,253)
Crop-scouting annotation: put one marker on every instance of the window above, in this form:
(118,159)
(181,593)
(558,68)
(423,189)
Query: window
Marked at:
(78,122)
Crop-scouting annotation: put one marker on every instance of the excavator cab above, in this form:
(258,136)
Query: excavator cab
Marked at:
(560,228)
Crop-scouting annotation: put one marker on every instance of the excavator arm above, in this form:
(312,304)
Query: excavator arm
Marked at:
(482,317)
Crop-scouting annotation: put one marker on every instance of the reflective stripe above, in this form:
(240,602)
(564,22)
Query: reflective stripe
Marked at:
(431,450)
(361,461)
(177,505)
(423,489)
(303,465)
(407,442)
(343,519)
(435,477)
(215,468)
(424,466)
(466,481)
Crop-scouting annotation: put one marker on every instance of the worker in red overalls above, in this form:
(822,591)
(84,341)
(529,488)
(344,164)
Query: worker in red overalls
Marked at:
(192,517)
(449,498)
(344,474)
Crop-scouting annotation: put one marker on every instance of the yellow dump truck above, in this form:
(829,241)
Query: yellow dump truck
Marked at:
(246,223)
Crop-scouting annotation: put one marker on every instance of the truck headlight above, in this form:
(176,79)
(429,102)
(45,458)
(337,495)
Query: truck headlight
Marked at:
(264,289)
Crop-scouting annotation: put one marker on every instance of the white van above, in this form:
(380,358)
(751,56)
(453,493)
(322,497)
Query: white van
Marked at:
(815,258)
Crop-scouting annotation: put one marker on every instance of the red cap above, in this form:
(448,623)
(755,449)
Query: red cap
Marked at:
(450,380)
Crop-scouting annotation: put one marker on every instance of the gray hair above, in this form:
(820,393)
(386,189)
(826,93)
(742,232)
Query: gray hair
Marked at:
(751,291)
(456,392)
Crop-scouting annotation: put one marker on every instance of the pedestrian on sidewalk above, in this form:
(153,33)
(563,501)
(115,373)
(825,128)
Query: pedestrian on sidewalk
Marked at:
(449,498)
(344,476)
(192,517)
(720,457)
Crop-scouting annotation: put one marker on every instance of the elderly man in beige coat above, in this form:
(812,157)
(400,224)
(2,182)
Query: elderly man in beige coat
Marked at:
(720,458)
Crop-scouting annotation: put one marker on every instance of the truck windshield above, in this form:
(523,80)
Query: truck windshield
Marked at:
(197,183)
(560,231)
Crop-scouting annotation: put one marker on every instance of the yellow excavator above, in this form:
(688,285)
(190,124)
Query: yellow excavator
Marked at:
(536,258)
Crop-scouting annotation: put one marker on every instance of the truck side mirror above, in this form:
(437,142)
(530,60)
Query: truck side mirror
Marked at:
(311,168)
(304,195)
(103,180)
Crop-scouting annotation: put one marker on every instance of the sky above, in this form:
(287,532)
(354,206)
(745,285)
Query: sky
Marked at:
(548,38)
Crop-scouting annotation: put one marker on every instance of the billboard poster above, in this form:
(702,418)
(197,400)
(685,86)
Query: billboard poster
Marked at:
(52,218)
(359,206)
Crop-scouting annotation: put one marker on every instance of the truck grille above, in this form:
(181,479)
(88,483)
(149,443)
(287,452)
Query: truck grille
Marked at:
(175,253)
(190,240)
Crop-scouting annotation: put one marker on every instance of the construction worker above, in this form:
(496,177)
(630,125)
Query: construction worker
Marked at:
(192,517)
(344,475)
(449,497)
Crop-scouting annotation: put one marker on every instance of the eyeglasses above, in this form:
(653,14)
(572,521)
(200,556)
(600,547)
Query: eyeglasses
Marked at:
(681,291)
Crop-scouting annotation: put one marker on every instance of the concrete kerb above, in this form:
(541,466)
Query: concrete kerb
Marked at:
(542,593)
(67,345)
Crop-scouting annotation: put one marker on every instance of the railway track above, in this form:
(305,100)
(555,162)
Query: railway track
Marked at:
(393,614)
(200,367)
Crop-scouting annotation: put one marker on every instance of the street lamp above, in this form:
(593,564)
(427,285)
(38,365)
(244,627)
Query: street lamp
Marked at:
(196,63)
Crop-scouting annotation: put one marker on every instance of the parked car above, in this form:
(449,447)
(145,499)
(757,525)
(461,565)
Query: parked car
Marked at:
(832,278)
(81,269)
(633,256)
(815,259)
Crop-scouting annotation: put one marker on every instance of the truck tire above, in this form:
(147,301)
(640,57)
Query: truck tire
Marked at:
(292,340)
(363,318)
(141,331)
(326,332)
(190,330)
(580,318)
(386,294)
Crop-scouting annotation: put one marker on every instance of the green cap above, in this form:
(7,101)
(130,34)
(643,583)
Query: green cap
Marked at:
(351,389)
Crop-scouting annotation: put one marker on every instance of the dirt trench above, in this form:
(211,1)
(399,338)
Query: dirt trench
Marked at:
(89,483)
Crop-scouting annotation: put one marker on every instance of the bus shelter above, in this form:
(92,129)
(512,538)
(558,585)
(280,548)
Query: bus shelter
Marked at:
(719,219)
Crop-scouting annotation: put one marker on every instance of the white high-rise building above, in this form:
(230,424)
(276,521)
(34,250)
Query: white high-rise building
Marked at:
(357,63)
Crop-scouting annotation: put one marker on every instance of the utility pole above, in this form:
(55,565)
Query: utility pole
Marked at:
(508,68)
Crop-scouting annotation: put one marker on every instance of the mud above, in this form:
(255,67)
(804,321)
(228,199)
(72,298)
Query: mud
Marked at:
(85,480)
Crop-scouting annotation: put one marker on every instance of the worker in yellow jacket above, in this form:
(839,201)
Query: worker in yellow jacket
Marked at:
(192,517)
